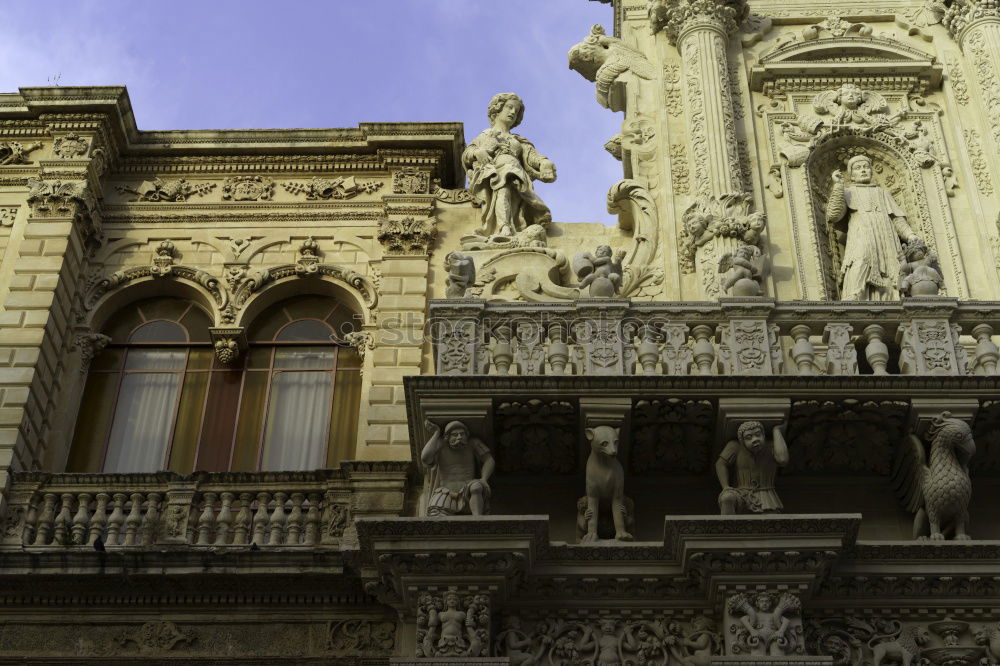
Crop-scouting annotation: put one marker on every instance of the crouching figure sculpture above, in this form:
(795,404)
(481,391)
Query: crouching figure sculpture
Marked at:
(450,459)
(605,481)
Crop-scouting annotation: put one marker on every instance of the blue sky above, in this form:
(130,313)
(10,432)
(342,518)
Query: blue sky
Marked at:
(228,64)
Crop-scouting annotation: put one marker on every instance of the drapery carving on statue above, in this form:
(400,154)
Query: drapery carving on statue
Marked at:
(603,60)
(608,641)
(711,228)
(892,172)
(501,167)
(853,111)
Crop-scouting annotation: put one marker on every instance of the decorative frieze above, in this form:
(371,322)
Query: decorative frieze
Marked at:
(158,190)
(536,436)
(453,624)
(15,152)
(248,188)
(341,187)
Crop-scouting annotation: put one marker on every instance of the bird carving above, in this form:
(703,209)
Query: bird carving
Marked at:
(937,491)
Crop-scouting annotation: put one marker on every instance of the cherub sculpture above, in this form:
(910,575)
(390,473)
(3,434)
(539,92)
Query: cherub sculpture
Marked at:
(919,272)
(742,271)
(600,273)
(937,491)
(850,105)
(754,462)
(602,59)
(461,274)
(765,623)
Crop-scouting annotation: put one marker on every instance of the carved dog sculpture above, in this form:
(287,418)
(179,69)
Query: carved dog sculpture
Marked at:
(605,481)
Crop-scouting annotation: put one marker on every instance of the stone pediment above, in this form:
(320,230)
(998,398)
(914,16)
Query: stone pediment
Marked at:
(850,57)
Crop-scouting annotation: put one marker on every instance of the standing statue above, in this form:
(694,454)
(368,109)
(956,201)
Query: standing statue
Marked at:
(501,167)
(461,274)
(919,272)
(755,462)
(875,225)
(451,459)
(600,273)
(939,492)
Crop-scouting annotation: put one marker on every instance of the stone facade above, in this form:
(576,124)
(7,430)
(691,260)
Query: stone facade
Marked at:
(756,422)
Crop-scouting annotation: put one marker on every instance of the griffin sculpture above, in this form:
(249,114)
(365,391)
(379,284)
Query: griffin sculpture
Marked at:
(939,492)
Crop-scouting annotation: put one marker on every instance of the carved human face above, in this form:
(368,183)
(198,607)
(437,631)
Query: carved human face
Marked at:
(603,251)
(764,602)
(457,438)
(508,113)
(608,626)
(451,601)
(861,171)
(850,98)
(753,439)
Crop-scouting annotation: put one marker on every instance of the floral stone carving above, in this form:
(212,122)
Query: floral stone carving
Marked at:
(451,458)
(752,462)
(70,146)
(673,16)
(501,167)
(361,638)
(671,436)
(341,187)
(845,436)
(408,236)
(166,190)
(155,637)
(938,490)
(765,624)
(713,227)
(536,436)
(451,625)
(605,481)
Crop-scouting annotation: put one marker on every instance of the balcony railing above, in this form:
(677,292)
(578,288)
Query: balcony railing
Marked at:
(919,336)
(265,509)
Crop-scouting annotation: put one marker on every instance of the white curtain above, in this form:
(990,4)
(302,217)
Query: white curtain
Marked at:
(298,413)
(144,416)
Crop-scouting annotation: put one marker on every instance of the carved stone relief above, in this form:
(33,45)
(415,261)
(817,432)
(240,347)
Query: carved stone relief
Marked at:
(248,188)
(69,146)
(604,59)
(410,180)
(536,437)
(15,152)
(159,189)
(845,436)
(361,638)
(764,624)
(7,215)
(671,436)
(407,236)
(341,187)
(453,625)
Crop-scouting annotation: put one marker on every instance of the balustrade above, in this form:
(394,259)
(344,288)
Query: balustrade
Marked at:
(927,336)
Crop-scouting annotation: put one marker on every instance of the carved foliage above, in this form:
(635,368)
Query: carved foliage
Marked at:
(408,236)
(536,436)
(764,624)
(57,197)
(673,16)
(361,638)
(845,436)
(672,436)
(155,637)
(453,625)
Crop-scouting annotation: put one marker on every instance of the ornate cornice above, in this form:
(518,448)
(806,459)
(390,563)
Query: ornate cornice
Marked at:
(676,17)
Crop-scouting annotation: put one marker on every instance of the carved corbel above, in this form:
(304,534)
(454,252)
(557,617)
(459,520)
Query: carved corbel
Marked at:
(163,259)
(51,198)
(228,342)
(90,345)
(309,257)
(408,236)
(363,341)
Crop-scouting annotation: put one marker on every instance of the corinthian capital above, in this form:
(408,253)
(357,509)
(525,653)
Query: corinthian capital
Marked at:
(960,14)
(676,16)
(59,197)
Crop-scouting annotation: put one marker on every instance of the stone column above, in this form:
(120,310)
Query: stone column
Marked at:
(975,25)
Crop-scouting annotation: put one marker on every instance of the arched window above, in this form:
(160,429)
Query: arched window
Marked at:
(157,398)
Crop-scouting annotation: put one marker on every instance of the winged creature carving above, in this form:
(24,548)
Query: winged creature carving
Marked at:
(937,491)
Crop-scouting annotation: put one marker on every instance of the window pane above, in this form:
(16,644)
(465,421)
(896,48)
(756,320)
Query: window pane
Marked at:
(251,418)
(143,422)
(156,359)
(159,331)
(312,358)
(344,422)
(297,427)
(93,423)
(305,330)
(189,415)
(220,422)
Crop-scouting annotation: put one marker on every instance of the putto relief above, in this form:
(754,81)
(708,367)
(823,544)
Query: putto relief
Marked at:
(501,167)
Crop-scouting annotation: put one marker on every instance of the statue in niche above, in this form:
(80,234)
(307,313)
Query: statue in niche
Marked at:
(461,274)
(605,481)
(742,271)
(765,626)
(919,272)
(937,491)
(755,462)
(451,460)
(600,273)
(501,167)
(875,224)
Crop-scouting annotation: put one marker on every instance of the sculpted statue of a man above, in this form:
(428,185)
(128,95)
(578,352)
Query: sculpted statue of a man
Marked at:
(754,463)
(501,167)
(875,225)
(451,458)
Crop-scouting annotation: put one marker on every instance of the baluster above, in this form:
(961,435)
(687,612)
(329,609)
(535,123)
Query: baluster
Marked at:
(60,532)
(45,520)
(503,353)
(278,519)
(260,518)
(134,520)
(79,530)
(312,520)
(224,520)
(117,519)
(206,522)
(876,351)
(648,351)
(30,522)
(558,352)
(803,352)
(987,353)
(704,350)
(241,529)
(99,519)
(150,521)
(295,519)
